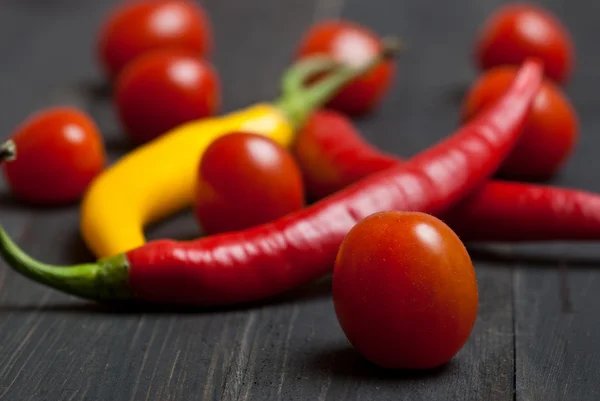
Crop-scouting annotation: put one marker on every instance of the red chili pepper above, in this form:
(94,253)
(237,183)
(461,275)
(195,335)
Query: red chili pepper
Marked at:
(333,155)
(272,258)
(519,212)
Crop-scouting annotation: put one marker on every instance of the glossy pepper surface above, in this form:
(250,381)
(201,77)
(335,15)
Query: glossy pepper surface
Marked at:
(267,260)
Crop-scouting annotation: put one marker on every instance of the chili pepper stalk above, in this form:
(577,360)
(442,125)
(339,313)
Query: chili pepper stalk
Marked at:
(105,279)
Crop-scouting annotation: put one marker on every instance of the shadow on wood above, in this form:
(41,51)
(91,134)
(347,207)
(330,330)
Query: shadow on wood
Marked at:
(118,144)
(346,362)
(455,94)
(530,259)
(94,88)
(319,289)
(77,251)
(9,202)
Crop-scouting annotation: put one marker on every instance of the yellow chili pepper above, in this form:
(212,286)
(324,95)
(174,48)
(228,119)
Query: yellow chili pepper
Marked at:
(159,178)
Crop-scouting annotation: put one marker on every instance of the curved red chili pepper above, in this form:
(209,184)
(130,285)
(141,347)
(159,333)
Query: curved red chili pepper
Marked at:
(519,212)
(333,155)
(267,260)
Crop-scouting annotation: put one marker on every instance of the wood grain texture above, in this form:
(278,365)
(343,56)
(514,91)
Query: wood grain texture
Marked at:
(536,329)
(557,290)
(423,108)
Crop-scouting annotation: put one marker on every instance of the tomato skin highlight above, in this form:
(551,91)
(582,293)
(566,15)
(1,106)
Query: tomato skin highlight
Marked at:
(59,152)
(246,180)
(137,27)
(517,31)
(404,290)
(551,130)
(349,42)
(163,89)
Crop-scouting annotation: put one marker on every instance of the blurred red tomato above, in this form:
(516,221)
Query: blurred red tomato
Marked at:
(551,130)
(245,180)
(59,151)
(352,44)
(404,290)
(163,89)
(517,31)
(136,27)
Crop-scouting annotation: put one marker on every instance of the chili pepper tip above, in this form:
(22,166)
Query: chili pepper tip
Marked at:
(8,151)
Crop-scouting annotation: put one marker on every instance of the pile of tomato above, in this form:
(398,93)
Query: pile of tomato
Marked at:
(404,287)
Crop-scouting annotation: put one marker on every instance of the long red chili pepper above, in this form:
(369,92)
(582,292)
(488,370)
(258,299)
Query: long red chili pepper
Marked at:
(518,212)
(333,155)
(269,259)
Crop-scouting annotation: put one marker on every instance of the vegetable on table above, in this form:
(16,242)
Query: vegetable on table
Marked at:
(138,27)
(404,290)
(350,43)
(163,89)
(333,155)
(246,180)
(159,178)
(518,31)
(550,133)
(60,151)
(519,212)
(269,259)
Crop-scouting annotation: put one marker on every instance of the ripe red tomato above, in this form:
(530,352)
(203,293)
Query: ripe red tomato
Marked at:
(59,152)
(404,290)
(551,130)
(517,31)
(245,180)
(163,89)
(136,27)
(353,44)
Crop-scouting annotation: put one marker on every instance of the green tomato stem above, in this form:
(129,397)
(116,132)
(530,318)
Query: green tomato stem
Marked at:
(8,151)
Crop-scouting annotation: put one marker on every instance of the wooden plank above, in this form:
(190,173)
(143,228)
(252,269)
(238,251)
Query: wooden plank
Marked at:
(557,287)
(422,108)
(54,346)
(43,57)
(40,55)
(554,286)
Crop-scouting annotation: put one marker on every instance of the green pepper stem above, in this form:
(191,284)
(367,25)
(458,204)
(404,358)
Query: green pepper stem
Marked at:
(8,151)
(103,280)
(298,105)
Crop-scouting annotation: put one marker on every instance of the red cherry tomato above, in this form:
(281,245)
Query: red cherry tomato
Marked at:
(58,153)
(245,180)
(517,31)
(353,44)
(163,89)
(404,290)
(551,130)
(137,27)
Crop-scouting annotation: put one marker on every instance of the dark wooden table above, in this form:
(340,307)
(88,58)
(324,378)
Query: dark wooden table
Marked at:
(537,333)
